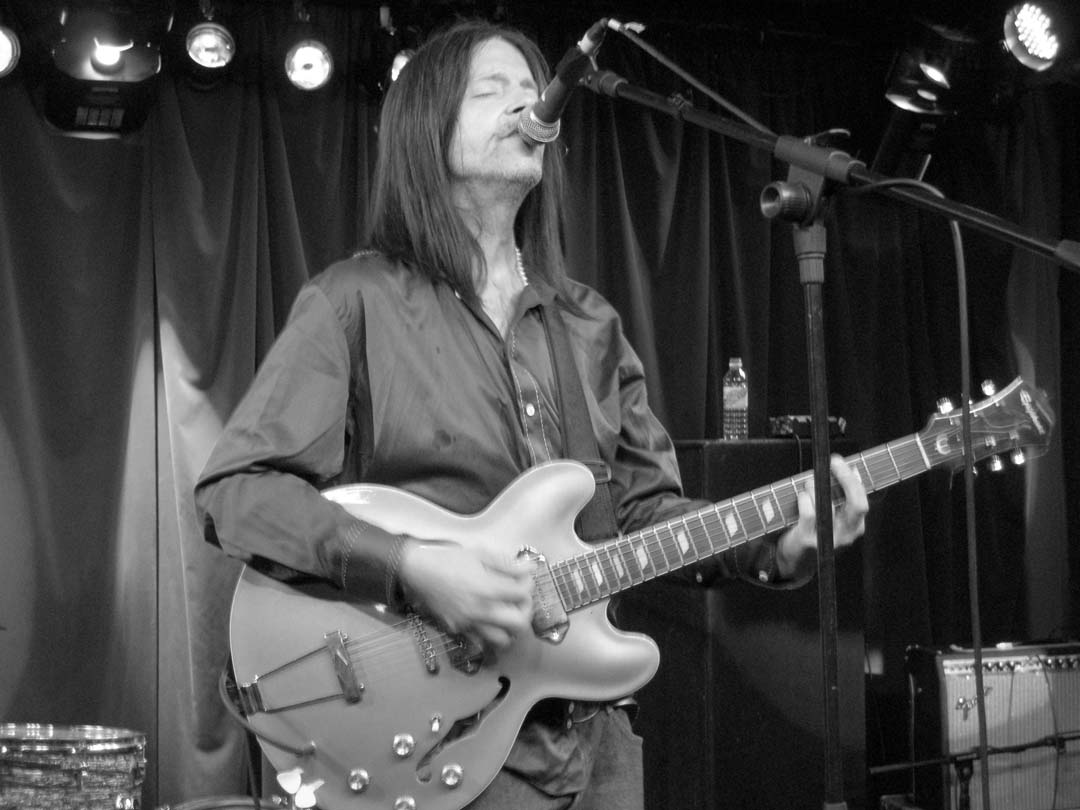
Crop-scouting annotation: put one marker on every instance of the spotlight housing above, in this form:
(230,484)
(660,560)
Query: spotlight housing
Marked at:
(9,50)
(308,64)
(105,70)
(210,45)
(1033,34)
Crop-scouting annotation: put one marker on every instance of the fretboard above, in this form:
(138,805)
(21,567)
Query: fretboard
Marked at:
(621,563)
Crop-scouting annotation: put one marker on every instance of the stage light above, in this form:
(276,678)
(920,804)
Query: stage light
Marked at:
(936,71)
(401,58)
(108,57)
(1032,34)
(9,50)
(92,47)
(308,62)
(391,48)
(209,43)
(930,72)
(910,88)
(106,67)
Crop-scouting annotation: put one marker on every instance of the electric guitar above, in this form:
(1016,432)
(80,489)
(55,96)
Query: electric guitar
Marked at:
(372,710)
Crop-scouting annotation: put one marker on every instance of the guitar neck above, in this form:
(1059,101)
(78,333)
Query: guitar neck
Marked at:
(624,562)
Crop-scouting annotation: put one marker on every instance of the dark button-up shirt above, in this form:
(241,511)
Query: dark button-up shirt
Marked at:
(382,376)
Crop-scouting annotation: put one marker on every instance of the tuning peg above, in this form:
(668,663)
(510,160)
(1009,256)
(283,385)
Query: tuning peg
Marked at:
(945,406)
(995,463)
(988,387)
(1018,458)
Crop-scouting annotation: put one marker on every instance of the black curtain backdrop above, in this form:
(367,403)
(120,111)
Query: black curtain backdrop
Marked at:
(143,279)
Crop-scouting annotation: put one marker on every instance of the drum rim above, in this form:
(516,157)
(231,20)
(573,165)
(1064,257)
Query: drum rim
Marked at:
(222,802)
(30,737)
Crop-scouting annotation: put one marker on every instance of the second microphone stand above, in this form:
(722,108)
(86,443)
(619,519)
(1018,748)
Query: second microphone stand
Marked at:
(801,201)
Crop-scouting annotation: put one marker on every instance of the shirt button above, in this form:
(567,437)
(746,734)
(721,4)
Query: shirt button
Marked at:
(530,409)
(763,576)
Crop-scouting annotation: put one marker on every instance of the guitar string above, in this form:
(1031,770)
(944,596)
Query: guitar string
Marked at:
(662,541)
(747,509)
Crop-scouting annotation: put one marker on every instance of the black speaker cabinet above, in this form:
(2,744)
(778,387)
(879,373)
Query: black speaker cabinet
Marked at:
(734,718)
(1031,696)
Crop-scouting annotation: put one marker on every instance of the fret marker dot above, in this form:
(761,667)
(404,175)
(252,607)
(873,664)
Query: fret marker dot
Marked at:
(768,511)
(731,524)
(579,583)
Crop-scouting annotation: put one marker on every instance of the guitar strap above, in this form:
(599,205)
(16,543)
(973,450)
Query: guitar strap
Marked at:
(597,520)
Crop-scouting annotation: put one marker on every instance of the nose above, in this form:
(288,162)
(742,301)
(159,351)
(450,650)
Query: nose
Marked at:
(522,100)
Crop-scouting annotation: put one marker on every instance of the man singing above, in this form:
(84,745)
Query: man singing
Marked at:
(426,363)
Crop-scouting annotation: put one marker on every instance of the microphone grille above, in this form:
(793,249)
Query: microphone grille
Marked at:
(537,131)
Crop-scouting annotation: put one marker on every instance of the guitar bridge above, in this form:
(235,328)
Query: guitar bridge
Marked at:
(427,649)
(351,688)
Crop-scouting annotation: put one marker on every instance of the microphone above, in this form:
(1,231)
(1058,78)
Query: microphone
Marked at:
(540,123)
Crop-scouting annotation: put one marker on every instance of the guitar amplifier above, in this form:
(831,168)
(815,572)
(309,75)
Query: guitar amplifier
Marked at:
(1031,696)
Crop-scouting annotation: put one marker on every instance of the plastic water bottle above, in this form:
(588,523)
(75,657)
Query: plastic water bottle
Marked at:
(736,401)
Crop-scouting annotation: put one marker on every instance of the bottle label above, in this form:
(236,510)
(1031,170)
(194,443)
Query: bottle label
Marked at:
(736,403)
(736,398)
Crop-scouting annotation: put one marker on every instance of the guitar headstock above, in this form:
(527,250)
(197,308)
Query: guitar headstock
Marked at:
(1018,418)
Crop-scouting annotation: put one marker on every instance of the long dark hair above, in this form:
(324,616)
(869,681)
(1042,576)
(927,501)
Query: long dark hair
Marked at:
(412,216)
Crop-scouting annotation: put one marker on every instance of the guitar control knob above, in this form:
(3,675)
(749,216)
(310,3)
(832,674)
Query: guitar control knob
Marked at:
(404,803)
(995,463)
(404,745)
(988,387)
(359,779)
(1018,457)
(945,405)
(452,775)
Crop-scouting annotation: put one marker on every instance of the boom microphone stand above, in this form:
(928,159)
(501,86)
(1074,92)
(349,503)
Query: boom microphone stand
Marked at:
(813,169)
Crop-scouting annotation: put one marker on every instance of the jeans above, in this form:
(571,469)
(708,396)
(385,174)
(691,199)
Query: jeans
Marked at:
(614,773)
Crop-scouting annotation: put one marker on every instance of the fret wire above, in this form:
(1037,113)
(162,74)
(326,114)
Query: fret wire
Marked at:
(700,537)
(630,559)
(661,564)
(649,553)
(680,541)
(864,475)
(579,578)
(684,540)
(878,461)
(595,572)
(775,503)
(922,451)
(895,448)
(668,548)
(562,583)
(751,517)
(615,564)
(919,462)
(888,448)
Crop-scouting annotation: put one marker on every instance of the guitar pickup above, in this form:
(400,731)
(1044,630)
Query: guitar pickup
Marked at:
(351,688)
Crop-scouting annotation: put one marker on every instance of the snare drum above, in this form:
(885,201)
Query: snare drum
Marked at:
(46,767)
